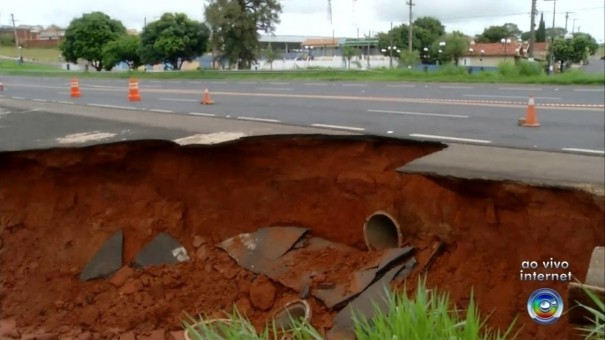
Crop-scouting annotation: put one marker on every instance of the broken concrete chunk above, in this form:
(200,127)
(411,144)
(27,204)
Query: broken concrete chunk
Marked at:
(367,302)
(107,260)
(163,249)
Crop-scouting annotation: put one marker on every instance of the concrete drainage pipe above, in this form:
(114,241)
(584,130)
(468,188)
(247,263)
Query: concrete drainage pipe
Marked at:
(297,311)
(381,231)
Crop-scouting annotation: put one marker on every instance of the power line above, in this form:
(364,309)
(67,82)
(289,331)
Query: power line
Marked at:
(510,15)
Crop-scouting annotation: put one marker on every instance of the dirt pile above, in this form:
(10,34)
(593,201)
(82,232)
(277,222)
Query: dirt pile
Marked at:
(57,207)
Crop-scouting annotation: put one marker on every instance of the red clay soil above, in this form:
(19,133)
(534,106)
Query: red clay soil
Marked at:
(59,206)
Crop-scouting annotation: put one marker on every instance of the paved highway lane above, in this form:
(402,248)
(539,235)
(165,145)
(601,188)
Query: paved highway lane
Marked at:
(578,129)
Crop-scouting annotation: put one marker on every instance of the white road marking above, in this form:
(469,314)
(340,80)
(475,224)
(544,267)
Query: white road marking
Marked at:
(267,120)
(279,83)
(40,100)
(599,152)
(361,85)
(316,84)
(202,114)
(511,97)
(178,99)
(401,85)
(64,102)
(113,106)
(419,114)
(455,87)
(17,97)
(520,89)
(590,90)
(275,88)
(418,135)
(338,127)
(389,132)
(84,137)
(162,111)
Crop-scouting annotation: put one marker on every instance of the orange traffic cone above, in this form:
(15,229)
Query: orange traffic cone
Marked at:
(133,90)
(206,100)
(531,118)
(75,88)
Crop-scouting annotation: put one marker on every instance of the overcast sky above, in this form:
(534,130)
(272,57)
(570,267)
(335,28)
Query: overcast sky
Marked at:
(310,17)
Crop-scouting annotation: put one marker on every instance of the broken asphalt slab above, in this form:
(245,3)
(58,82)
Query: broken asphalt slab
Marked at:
(367,303)
(282,254)
(107,260)
(163,249)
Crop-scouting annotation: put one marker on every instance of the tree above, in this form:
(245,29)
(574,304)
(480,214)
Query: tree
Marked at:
(426,31)
(348,52)
(525,36)
(85,38)
(493,34)
(271,55)
(124,49)
(541,31)
(576,49)
(235,25)
(512,29)
(172,40)
(586,41)
(456,44)
(558,32)
(409,58)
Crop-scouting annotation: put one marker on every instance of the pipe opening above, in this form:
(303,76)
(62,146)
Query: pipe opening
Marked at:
(381,231)
(296,311)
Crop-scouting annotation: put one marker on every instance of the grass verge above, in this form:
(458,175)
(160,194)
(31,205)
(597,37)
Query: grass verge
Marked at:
(8,66)
(427,316)
(445,75)
(39,54)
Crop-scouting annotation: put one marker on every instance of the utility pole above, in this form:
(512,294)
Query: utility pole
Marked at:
(573,28)
(552,38)
(532,29)
(15,30)
(410,3)
(567,18)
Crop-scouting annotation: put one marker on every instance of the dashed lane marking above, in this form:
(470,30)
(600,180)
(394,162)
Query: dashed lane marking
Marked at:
(456,139)
(40,100)
(419,114)
(114,106)
(266,120)
(202,114)
(161,111)
(339,127)
(598,152)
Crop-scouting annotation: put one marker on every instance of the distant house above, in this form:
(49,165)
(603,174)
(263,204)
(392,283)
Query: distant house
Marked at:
(492,54)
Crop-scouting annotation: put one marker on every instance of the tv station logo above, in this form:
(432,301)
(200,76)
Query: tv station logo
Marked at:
(545,306)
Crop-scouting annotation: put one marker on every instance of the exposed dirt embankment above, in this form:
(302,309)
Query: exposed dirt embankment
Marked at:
(59,206)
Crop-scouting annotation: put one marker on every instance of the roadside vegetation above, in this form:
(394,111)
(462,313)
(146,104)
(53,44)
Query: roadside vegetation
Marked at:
(429,315)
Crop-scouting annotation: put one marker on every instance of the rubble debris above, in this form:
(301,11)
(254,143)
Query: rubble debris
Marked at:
(262,293)
(107,260)
(163,249)
(366,303)
(595,282)
(297,311)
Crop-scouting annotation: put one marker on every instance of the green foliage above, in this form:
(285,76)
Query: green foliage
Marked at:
(85,38)
(494,34)
(456,44)
(597,329)
(408,58)
(271,55)
(576,49)
(541,31)
(235,25)
(558,32)
(425,31)
(428,316)
(348,52)
(520,69)
(173,39)
(7,41)
(124,49)
(512,29)
(525,36)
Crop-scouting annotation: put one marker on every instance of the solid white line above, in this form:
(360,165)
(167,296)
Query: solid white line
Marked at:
(160,110)
(275,88)
(418,135)
(519,89)
(64,102)
(259,119)
(590,90)
(17,97)
(316,84)
(338,127)
(511,97)
(599,152)
(113,106)
(455,87)
(401,85)
(202,114)
(278,83)
(40,100)
(178,100)
(419,113)
(354,84)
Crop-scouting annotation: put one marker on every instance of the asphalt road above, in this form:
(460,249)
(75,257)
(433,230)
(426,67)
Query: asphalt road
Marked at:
(572,117)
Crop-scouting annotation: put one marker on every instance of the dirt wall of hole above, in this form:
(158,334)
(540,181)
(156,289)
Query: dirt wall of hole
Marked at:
(58,206)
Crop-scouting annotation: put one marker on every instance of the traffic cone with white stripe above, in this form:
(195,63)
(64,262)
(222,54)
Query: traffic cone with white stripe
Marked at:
(531,117)
(75,88)
(206,100)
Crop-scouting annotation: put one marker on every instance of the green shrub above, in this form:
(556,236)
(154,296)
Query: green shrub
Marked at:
(528,69)
(507,69)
